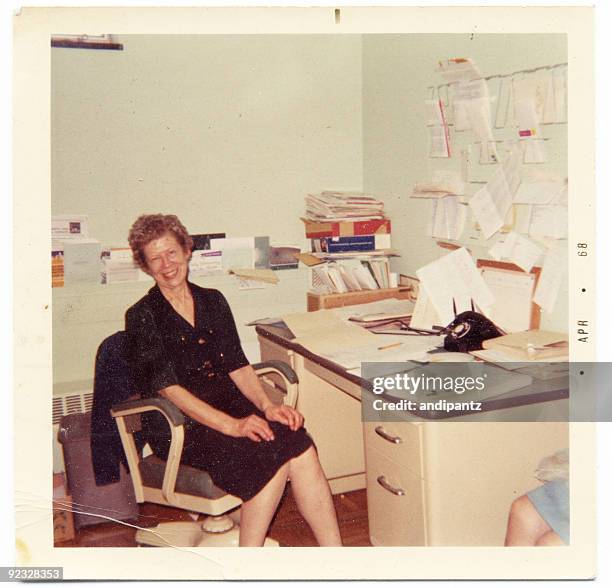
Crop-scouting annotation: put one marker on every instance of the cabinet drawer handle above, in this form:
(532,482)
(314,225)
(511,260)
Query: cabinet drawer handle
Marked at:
(397,491)
(382,433)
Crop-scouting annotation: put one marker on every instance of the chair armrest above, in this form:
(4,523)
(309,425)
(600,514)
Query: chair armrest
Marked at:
(280,367)
(172,413)
(176,420)
(286,372)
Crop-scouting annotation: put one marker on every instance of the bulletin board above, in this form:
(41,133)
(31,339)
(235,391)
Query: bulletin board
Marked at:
(534,98)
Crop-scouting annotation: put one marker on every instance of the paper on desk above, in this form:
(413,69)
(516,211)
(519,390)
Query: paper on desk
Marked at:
(551,277)
(454,277)
(409,348)
(323,332)
(256,275)
(425,315)
(549,221)
(386,306)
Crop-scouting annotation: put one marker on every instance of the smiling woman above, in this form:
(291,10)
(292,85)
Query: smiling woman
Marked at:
(183,345)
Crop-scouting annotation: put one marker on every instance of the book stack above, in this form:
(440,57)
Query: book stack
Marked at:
(357,254)
(349,236)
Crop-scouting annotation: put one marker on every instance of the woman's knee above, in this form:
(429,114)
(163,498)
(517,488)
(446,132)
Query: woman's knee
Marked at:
(549,539)
(526,516)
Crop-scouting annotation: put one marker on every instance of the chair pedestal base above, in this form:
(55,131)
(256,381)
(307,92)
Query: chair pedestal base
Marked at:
(192,534)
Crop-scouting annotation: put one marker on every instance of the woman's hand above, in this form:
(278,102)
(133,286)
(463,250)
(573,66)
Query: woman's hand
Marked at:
(284,414)
(253,427)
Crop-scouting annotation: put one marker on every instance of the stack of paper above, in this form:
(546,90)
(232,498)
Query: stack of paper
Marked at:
(206,262)
(119,266)
(351,275)
(343,206)
(531,345)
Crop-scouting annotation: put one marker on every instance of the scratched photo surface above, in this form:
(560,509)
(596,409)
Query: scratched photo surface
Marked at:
(242,123)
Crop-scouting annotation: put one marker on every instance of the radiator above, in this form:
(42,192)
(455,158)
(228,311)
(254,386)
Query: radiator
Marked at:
(63,404)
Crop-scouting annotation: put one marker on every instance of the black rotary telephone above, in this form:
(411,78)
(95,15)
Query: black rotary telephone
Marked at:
(469,330)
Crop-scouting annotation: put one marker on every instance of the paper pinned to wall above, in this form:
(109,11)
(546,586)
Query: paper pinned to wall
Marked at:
(522,217)
(538,191)
(455,277)
(439,143)
(512,168)
(518,249)
(551,277)
(549,221)
(534,151)
(448,218)
(479,114)
(486,213)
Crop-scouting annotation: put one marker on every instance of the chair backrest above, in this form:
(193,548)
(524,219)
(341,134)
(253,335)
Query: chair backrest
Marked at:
(113,383)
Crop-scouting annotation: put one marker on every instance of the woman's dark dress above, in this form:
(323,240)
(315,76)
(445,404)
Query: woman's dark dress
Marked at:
(165,349)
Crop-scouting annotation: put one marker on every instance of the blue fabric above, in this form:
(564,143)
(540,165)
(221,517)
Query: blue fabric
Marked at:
(552,503)
(113,383)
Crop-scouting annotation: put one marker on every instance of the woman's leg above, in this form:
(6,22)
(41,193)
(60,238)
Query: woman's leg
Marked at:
(258,512)
(313,497)
(525,525)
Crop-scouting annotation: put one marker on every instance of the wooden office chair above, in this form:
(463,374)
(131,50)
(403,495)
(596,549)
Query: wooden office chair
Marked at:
(172,484)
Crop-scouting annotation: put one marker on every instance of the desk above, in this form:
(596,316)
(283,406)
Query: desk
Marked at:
(459,478)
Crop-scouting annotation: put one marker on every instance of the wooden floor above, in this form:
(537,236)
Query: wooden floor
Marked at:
(288,526)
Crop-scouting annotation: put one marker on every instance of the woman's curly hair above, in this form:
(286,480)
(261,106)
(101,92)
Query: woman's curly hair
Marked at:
(149,227)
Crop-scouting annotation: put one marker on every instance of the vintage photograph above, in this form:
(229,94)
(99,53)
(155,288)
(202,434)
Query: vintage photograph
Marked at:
(242,224)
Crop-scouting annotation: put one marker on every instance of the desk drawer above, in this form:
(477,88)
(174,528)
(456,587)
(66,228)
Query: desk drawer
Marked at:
(395,503)
(399,442)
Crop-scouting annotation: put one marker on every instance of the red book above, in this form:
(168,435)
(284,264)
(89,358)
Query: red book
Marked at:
(317,229)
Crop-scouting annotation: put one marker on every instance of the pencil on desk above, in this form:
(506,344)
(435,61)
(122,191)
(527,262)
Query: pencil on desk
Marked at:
(390,346)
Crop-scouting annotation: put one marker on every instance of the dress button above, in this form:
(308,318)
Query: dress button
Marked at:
(182,338)
(211,374)
(201,341)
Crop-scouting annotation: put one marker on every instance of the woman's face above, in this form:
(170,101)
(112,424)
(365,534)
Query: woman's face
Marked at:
(167,261)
